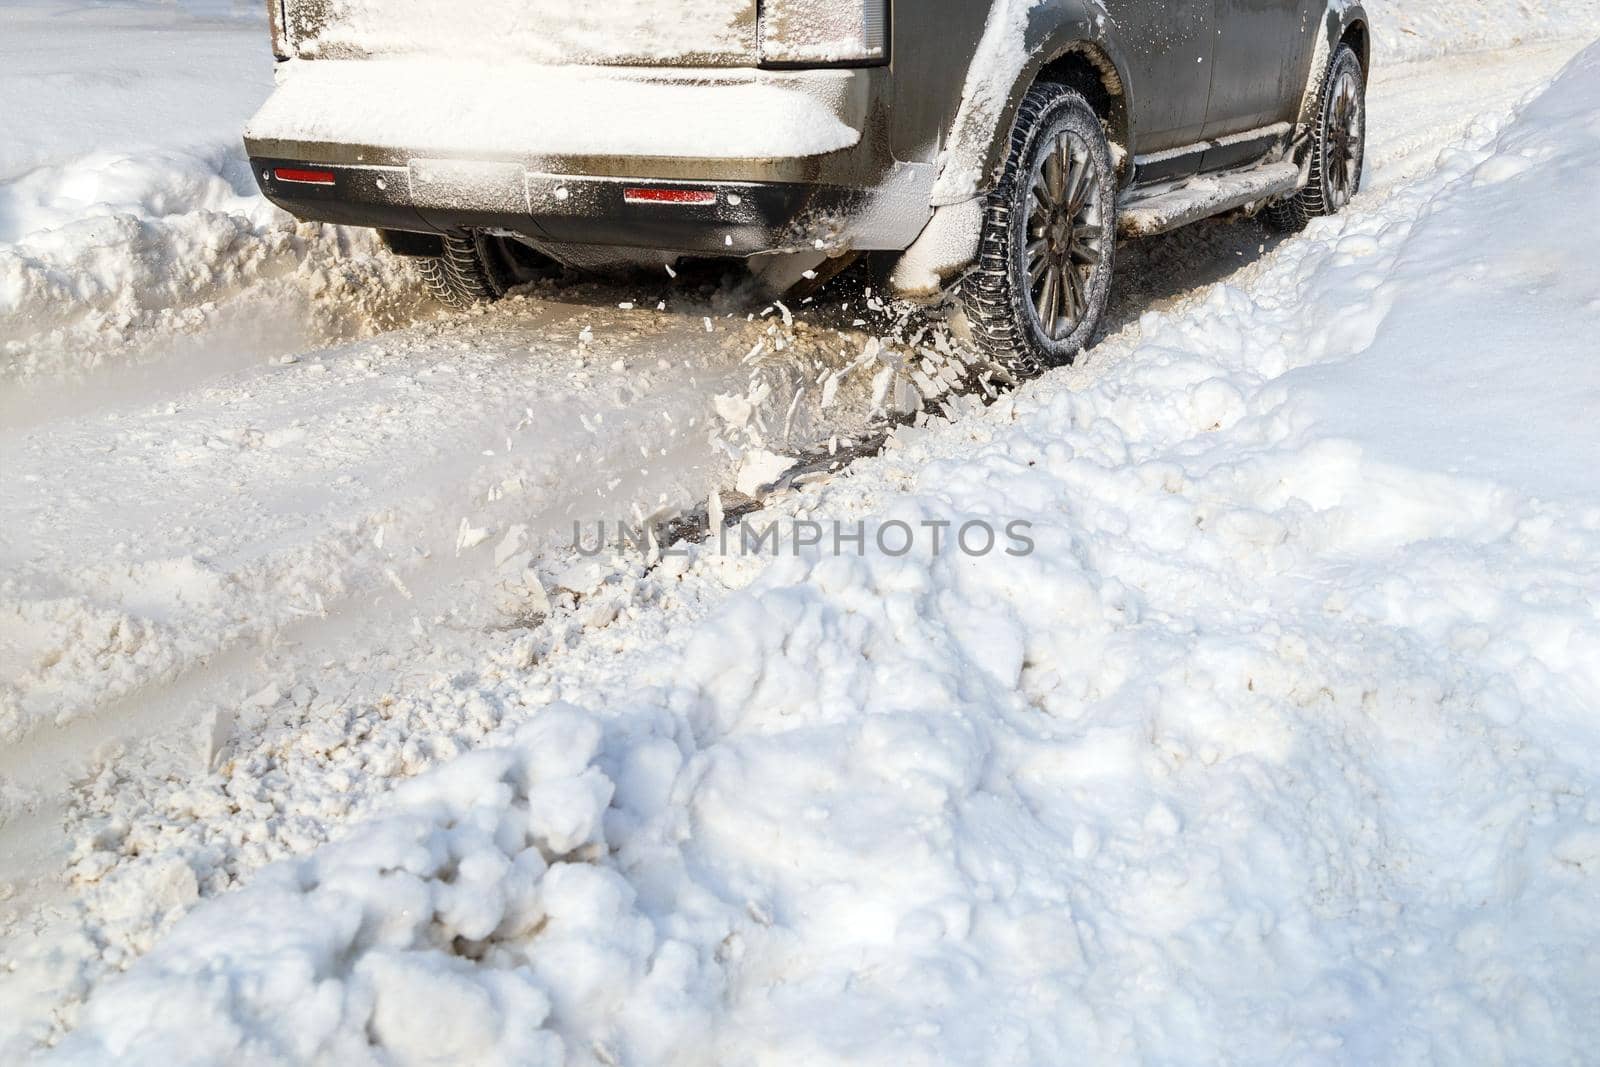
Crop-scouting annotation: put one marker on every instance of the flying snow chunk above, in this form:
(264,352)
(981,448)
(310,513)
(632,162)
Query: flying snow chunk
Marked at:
(761,468)
(469,536)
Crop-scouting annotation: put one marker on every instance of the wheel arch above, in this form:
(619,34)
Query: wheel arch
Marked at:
(1359,37)
(1087,67)
(1063,42)
(1344,23)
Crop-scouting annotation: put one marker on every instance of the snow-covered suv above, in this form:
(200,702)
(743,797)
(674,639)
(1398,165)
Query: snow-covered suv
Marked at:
(998,145)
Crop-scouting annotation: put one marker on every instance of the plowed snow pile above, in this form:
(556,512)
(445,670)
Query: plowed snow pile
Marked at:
(127,208)
(1281,746)
(1407,29)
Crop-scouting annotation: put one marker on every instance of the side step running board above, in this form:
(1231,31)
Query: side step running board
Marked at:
(1147,212)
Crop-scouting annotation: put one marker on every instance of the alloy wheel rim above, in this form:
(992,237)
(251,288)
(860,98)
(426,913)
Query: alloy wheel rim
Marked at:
(1065,235)
(1344,138)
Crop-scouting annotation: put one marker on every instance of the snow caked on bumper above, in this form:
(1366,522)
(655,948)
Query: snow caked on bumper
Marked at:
(553,151)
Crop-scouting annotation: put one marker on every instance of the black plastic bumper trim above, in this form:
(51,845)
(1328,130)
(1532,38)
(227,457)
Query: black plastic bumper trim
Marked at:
(746,219)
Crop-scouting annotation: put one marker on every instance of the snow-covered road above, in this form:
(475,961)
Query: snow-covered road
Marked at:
(245,585)
(325,526)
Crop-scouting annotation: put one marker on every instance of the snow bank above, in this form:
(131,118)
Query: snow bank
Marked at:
(1409,29)
(128,74)
(126,205)
(117,248)
(403,936)
(1280,746)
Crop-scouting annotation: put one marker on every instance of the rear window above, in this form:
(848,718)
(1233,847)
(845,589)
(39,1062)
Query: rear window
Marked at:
(711,32)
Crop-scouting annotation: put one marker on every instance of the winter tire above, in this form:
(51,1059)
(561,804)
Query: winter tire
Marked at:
(480,268)
(1043,275)
(1338,147)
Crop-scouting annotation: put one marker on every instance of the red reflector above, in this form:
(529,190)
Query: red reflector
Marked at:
(304,177)
(669,196)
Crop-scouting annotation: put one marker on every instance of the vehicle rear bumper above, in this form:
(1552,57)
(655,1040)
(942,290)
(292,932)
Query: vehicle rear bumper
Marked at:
(740,219)
(794,157)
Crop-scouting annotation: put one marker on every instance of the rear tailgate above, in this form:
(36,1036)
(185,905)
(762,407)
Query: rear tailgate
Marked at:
(605,32)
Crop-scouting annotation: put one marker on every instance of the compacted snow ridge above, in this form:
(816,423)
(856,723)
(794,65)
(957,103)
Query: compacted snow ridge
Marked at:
(1279,744)
(129,220)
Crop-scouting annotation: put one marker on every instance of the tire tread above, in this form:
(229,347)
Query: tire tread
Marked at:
(988,294)
(1293,213)
(460,279)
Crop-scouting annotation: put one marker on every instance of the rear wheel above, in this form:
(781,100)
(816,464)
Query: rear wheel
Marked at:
(480,268)
(1043,274)
(1338,147)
